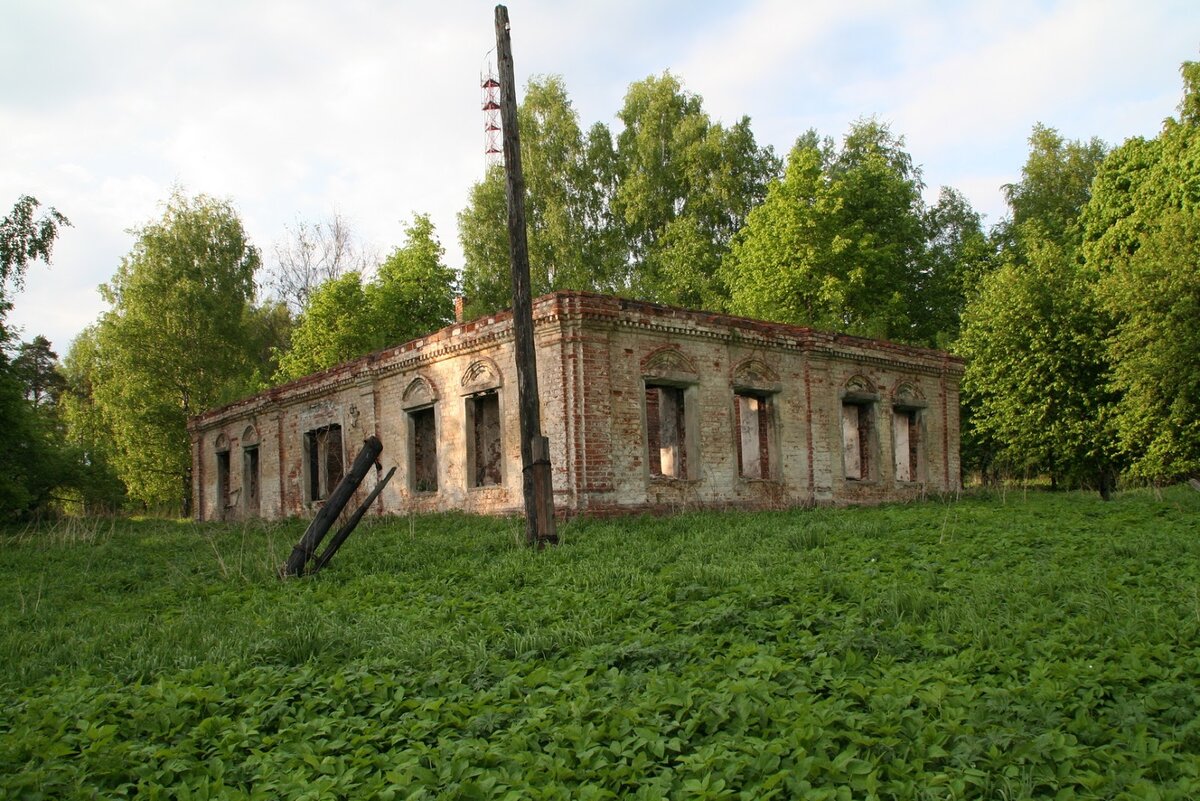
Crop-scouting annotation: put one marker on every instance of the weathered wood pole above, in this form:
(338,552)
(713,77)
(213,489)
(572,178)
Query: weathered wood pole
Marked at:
(535,472)
(347,529)
(333,507)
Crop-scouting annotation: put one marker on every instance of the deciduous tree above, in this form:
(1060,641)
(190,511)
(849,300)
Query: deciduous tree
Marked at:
(96,488)
(1054,189)
(335,327)
(685,186)
(175,341)
(1036,388)
(24,238)
(842,241)
(1143,238)
(414,291)
(1037,370)
(311,254)
(566,207)
(958,255)
(411,295)
(649,215)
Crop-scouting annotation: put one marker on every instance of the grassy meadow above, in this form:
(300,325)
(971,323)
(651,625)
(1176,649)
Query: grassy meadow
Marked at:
(1040,645)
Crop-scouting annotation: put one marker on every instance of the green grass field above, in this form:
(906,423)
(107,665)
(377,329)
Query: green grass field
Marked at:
(1025,646)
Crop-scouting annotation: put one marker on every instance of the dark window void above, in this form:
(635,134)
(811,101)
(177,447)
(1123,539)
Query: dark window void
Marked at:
(666,431)
(483,421)
(752,421)
(250,478)
(324,447)
(424,450)
(906,443)
(857,432)
(223,479)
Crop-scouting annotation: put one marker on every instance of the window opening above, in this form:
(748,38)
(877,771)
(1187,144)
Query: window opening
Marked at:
(906,440)
(483,419)
(666,431)
(424,450)
(223,479)
(752,419)
(325,468)
(250,479)
(856,440)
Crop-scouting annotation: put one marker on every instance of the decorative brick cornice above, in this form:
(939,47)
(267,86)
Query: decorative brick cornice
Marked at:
(567,309)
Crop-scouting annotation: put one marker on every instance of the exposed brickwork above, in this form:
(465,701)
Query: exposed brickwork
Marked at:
(596,355)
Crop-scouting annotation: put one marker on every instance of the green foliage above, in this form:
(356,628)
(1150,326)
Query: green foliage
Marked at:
(566,204)
(1037,370)
(413,292)
(1017,648)
(775,268)
(482,232)
(312,253)
(1155,294)
(175,341)
(958,255)
(844,241)
(564,197)
(24,239)
(270,328)
(45,470)
(334,327)
(649,215)
(29,460)
(48,470)
(685,187)
(98,490)
(411,295)
(1054,189)
(1142,230)
(1037,387)
(34,366)
(32,464)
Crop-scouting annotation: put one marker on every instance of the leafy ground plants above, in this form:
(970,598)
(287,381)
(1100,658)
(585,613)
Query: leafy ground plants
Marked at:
(1043,646)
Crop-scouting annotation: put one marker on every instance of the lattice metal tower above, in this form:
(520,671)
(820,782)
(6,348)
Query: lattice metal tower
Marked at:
(492,152)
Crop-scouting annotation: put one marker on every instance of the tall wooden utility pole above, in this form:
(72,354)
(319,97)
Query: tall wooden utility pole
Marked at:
(535,449)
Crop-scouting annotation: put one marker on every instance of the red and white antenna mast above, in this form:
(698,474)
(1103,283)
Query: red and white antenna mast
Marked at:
(492,152)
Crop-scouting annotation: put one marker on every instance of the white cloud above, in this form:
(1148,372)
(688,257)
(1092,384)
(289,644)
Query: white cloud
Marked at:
(296,109)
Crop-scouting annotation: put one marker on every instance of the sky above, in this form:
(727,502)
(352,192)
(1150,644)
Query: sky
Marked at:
(296,110)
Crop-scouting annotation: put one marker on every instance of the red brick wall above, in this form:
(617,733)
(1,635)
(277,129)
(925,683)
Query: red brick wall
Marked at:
(592,356)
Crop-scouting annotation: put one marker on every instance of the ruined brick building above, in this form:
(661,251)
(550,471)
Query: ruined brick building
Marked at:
(646,407)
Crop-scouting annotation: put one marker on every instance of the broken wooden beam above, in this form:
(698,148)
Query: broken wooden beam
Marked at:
(347,529)
(333,507)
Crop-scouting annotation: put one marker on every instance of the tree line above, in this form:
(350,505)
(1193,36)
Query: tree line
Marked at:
(1076,314)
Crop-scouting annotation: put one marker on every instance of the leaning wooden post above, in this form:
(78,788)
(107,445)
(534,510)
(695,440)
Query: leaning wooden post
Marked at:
(333,507)
(535,472)
(346,530)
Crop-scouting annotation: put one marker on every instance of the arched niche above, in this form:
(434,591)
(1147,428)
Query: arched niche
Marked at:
(755,375)
(671,427)
(907,395)
(419,392)
(669,364)
(481,375)
(859,388)
(860,429)
(908,433)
